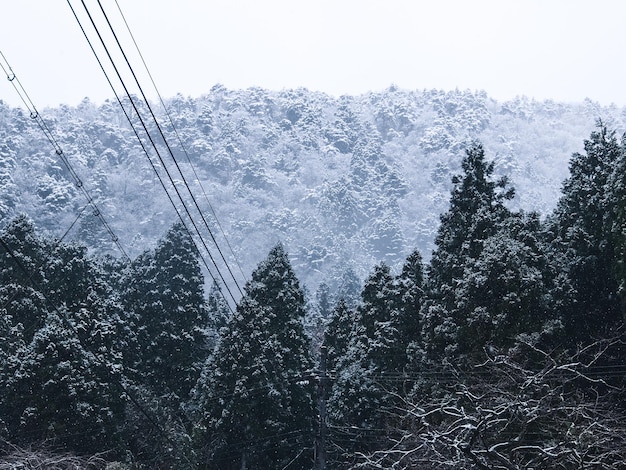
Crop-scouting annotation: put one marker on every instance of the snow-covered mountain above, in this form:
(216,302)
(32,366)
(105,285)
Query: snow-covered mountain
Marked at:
(343,182)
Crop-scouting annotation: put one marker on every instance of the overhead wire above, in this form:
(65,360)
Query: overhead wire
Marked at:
(152,142)
(167,145)
(180,141)
(36,116)
(142,144)
(43,261)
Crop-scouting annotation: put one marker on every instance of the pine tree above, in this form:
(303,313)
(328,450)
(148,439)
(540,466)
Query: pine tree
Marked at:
(254,400)
(587,234)
(476,209)
(368,371)
(164,297)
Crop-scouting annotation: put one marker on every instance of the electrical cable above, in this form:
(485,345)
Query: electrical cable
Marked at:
(167,145)
(35,115)
(186,209)
(169,116)
(145,150)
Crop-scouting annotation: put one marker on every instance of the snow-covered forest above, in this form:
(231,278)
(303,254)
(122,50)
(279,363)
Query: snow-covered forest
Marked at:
(433,280)
(341,182)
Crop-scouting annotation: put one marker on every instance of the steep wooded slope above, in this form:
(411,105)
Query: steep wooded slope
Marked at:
(342,182)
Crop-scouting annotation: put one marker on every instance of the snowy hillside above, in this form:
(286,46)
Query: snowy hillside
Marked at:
(342,182)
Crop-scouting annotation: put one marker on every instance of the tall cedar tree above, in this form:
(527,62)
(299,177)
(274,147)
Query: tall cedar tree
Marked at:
(164,297)
(589,234)
(476,210)
(61,374)
(505,291)
(218,313)
(338,333)
(21,270)
(411,284)
(368,372)
(255,398)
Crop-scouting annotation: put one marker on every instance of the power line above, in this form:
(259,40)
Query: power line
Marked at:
(167,145)
(141,143)
(152,142)
(180,141)
(36,116)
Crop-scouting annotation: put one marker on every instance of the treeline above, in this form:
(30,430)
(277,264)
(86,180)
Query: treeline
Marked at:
(505,350)
(351,180)
(509,352)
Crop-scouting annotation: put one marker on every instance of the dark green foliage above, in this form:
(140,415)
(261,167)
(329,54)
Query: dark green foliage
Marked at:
(490,345)
(61,371)
(369,370)
(349,288)
(505,291)
(615,221)
(254,400)
(156,432)
(476,211)
(164,299)
(411,285)
(21,272)
(57,390)
(588,234)
(218,314)
(317,318)
(338,333)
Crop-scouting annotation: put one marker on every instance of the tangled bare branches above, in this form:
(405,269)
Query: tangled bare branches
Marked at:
(526,410)
(13,457)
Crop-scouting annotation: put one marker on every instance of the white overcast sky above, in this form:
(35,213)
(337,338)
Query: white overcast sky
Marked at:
(566,50)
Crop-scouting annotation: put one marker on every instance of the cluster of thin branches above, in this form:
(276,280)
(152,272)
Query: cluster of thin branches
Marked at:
(13,457)
(527,409)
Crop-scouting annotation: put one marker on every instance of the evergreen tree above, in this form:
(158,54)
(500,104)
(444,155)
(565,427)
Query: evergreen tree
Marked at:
(254,400)
(349,288)
(615,220)
(218,314)
(56,390)
(367,373)
(476,210)
(317,317)
(588,235)
(323,300)
(410,285)
(338,333)
(22,258)
(61,371)
(505,291)
(164,297)
(9,195)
